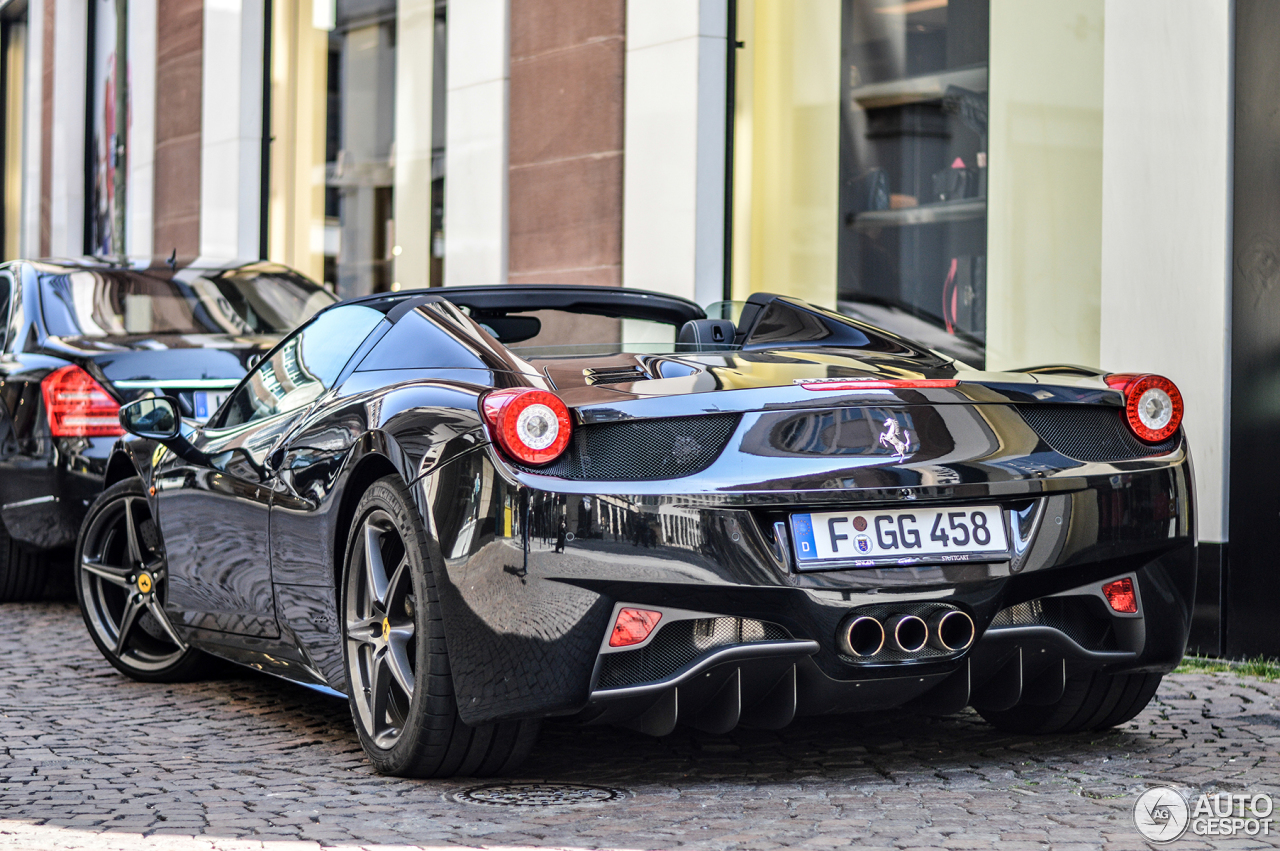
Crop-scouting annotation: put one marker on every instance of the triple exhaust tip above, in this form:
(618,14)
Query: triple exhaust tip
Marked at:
(950,631)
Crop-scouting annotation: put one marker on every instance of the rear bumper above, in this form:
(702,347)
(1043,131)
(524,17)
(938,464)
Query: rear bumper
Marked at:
(769,684)
(532,578)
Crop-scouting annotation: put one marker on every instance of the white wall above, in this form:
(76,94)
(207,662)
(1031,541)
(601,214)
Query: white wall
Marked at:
(32,105)
(66,202)
(231,130)
(475,193)
(142,132)
(415,25)
(1044,203)
(1166,216)
(674,172)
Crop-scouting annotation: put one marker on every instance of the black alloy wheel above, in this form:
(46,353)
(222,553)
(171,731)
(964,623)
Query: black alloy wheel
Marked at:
(381,630)
(398,679)
(121,582)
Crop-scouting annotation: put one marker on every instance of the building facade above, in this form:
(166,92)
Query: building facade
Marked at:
(1031,181)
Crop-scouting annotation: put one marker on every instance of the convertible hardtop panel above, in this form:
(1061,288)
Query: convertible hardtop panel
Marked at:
(616,302)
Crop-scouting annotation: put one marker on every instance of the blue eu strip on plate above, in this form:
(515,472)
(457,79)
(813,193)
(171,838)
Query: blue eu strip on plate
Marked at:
(802,529)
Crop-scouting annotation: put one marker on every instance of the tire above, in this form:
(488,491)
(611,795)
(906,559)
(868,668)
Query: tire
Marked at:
(121,583)
(398,680)
(22,571)
(1093,701)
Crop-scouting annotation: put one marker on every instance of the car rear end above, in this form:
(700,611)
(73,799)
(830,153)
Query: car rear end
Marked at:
(771,548)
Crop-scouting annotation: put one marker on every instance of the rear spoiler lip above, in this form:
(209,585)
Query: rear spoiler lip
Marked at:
(590,408)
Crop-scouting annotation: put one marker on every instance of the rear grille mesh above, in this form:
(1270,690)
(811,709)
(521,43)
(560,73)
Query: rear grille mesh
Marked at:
(680,644)
(643,450)
(1078,617)
(1090,433)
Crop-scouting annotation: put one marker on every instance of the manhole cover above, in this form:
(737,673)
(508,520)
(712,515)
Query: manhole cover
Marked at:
(537,795)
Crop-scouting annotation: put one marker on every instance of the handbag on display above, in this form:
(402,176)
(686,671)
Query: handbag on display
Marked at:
(956,182)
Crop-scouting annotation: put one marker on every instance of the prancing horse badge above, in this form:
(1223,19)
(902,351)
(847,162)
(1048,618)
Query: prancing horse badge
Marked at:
(896,437)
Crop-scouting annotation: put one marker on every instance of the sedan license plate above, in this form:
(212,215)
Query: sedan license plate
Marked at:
(866,538)
(207,402)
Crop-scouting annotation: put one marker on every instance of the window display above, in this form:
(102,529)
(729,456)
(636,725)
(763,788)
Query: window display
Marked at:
(913,164)
(105,217)
(331,207)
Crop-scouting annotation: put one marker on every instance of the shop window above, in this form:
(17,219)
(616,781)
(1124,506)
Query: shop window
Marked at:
(109,127)
(337,178)
(786,148)
(931,166)
(913,167)
(860,161)
(13,49)
(361,119)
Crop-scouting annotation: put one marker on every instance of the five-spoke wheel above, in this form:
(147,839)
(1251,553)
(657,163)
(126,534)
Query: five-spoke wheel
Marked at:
(398,677)
(381,643)
(121,580)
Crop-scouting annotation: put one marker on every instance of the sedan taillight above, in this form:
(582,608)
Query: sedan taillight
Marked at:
(78,406)
(1152,404)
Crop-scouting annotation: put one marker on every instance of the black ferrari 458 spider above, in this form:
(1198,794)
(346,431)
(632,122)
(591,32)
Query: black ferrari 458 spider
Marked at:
(471,509)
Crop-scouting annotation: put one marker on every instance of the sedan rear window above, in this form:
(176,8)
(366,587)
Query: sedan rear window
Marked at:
(248,300)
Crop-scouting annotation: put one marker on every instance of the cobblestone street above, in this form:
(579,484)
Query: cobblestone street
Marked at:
(91,759)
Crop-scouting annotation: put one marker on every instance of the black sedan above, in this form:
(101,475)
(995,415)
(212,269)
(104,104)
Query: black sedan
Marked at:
(81,337)
(471,509)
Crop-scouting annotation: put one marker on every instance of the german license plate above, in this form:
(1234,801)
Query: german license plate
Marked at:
(208,401)
(866,538)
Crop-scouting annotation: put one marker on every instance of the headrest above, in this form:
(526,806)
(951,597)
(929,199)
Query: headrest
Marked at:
(706,334)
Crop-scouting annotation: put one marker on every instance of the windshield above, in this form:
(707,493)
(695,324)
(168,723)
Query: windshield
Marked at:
(249,300)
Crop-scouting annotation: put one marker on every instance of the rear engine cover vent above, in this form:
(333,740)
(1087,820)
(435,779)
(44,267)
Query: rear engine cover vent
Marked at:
(1090,433)
(642,450)
(615,375)
(680,644)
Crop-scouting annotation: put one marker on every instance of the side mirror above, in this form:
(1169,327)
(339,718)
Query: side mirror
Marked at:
(156,418)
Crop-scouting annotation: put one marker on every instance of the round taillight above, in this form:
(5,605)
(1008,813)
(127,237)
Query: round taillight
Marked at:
(532,426)
(1153,405)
